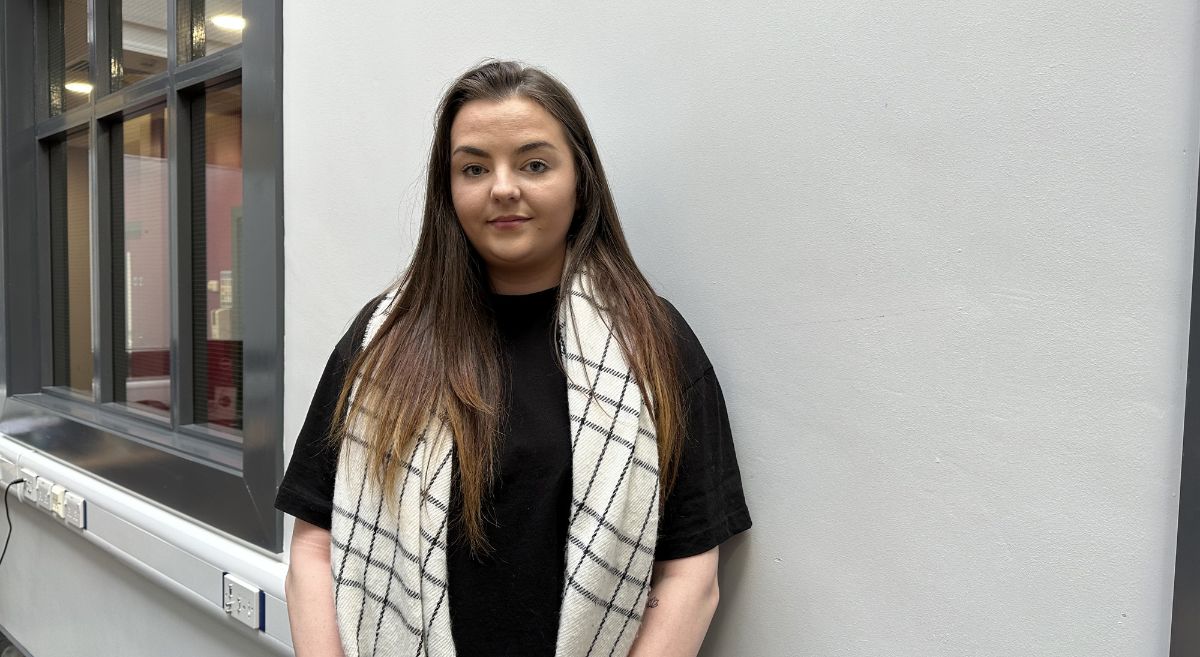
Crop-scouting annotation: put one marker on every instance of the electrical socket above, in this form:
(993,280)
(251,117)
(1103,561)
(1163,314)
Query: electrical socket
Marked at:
(243,601)
(75,511)
(58,498)
(29,495)
(45,494)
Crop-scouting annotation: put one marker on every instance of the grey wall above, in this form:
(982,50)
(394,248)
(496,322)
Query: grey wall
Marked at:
(940,254)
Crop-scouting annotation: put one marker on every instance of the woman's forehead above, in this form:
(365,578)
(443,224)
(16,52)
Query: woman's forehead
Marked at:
(515,120)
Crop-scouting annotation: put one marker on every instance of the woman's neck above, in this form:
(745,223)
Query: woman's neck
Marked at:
(526,281)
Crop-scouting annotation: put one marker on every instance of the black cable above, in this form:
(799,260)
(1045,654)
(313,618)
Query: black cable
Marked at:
(7,517)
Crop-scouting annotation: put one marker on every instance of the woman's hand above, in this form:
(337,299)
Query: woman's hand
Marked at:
(683,598)
(309,592)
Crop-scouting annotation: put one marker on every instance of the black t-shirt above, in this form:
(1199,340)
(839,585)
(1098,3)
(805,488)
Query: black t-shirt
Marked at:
(508,602)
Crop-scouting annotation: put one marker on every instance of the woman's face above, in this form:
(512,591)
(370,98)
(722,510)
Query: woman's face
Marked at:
(512,179)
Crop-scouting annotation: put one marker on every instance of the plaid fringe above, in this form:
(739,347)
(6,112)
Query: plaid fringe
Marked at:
(389,561)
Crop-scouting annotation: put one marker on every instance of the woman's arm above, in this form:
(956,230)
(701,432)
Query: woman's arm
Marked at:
(683,597)
(309,592)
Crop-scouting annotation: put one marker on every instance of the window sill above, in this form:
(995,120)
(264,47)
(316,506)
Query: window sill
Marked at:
(201,480)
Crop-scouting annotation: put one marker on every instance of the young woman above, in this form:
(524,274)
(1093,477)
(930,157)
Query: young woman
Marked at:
(518,448)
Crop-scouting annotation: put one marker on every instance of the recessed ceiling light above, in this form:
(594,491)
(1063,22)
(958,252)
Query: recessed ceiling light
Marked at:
(79,87)
(229,22)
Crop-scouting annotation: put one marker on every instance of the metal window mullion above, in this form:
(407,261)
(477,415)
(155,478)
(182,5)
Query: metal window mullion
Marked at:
(117,281)
(262,301)
(213,69)
(56,256)
(65,122)
(178,230)
(97,216)
(180,259)
(38,85)
(197,276)
(100,193)
(44,253)
(128,100)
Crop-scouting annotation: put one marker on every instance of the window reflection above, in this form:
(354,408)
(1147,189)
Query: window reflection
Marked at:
(209,27)
(68,73)
(216,256)
(141,268)
(71,265)
(139,38)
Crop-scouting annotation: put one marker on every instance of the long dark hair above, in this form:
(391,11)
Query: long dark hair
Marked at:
(438,347)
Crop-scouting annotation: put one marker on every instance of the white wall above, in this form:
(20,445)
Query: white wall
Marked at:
(940,254)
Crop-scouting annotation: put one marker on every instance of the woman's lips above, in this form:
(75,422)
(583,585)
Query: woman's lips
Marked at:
(511,221)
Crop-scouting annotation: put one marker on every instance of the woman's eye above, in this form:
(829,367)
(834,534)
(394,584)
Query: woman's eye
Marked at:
(473,170)
(538,166)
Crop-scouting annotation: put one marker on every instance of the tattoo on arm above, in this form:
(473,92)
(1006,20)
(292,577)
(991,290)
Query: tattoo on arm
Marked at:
(652,602)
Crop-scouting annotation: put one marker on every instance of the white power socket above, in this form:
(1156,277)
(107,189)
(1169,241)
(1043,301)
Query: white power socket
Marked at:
(243,601)
(45,494)
(29,495)
(58,500)
(75,511)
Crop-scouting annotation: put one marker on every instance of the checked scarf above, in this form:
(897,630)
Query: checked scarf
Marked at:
(389,561)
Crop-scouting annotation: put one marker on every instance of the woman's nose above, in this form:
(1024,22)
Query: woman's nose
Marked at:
(505,188)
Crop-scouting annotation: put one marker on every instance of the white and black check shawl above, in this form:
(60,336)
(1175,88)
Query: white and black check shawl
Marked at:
(389,561)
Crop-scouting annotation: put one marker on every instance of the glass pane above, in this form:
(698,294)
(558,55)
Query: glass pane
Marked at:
(209,26)
(216,256)
(139,38)
(68,73)
(141,269)
(71,264)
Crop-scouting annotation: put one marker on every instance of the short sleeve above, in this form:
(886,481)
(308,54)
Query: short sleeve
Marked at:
(706,506)
(306,491)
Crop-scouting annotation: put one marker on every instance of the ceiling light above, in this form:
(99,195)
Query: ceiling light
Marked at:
(79,87)
(229,22)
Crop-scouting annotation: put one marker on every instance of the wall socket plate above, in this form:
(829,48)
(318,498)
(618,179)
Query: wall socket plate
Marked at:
(45,494)
(243,601)
(29,495)
(75,511)
(58,499)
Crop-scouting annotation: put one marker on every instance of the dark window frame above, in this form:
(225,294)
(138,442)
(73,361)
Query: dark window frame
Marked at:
(198,472)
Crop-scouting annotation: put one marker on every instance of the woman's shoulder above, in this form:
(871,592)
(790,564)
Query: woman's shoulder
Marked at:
(692,358)
(352,340)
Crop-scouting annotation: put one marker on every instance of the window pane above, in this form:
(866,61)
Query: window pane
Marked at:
(209,26)
(139,38)
(216,256)
(68,73)
(141,270)
(71,264)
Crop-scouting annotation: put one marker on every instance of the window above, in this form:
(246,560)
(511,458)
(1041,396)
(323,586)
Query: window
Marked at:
(141,201)
(141,262)
(71,263)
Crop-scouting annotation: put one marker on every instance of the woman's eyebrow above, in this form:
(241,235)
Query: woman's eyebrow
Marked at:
(471,150)
(524,148)
(534,145)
